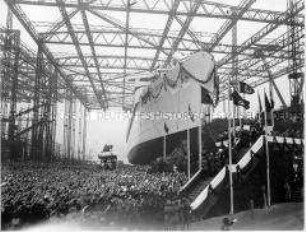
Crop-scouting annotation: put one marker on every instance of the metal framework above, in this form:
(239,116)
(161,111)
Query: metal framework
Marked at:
(79,44)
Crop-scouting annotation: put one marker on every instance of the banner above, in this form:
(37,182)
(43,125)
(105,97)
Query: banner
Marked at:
(239,101)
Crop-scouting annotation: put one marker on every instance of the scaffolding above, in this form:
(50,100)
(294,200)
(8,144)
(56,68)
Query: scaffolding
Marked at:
(296,77)
(31,91)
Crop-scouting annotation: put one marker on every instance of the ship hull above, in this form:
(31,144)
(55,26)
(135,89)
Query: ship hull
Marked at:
(170,106)
(146,152)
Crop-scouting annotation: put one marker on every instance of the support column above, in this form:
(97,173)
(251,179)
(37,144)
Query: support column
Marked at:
(165,146)
(85,132)
(13,97)
(69,127)
(73,122)
(230,153)
(296,77)
(54,114)
(188,154)
(66,126)
(200,143)
(38,75)
(234,72)
(80,140)
(267,158)
(127,25)
(48,117)
(6,74)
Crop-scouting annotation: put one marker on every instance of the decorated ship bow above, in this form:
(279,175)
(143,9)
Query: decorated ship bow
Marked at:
(175,101)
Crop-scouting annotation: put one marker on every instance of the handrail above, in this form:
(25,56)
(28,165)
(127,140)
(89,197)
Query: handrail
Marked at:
(243,162)
(203,195)
(221,175)
(281,139)
(191,180)
(248,156)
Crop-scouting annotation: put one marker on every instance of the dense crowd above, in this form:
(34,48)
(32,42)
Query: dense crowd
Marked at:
(32,192)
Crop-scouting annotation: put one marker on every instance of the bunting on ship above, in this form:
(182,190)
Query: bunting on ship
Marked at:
(209,87)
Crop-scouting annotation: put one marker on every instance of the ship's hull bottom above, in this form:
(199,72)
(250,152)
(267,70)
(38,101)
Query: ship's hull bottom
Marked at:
(145,153)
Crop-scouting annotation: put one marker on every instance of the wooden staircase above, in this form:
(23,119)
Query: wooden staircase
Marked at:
(198,188)
(251,164)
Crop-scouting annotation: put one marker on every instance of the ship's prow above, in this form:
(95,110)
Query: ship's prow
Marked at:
(170,105)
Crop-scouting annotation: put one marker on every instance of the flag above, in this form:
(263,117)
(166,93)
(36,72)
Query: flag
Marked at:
(190,113)
(269,111)
(239,101)
(259,103)
(268,106)
(166,128)
(260,118)
(272,103)
(242,87)
(245,88)
(205,97)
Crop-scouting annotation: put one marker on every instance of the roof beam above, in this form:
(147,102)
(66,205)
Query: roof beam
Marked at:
(165,32)
(260,34)
(226,27)
(92,48)
(208,9)
(57,26)
(123,28)
(126,39)
(78,49)
(261,81)
(195,39)
(27,24)
(194,7)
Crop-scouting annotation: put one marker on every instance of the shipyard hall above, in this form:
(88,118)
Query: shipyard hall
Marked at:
(152,115)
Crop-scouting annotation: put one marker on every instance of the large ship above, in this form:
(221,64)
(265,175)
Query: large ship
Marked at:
(175,101)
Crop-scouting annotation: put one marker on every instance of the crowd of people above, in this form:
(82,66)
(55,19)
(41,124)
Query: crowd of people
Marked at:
(33,192)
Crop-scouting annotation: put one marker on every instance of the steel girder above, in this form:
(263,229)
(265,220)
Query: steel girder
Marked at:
(107,38)
(261,34)
(164,42)
(26,70)
(27,24)
(193,9)
(165,32)
(278,53)
(92,48)
(264,79)
(225,28)
(80,53)
(208,9)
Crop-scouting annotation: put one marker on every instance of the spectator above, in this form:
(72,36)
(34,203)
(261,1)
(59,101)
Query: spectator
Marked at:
(34,192)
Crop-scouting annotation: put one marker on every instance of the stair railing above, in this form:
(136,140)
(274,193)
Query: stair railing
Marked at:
(243,162)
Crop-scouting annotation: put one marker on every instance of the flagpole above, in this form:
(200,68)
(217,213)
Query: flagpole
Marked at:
(234,121)
(165,146)
(188,153)
(259,102)
(272,100)
(200,139)
(230,152)
(267,158)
